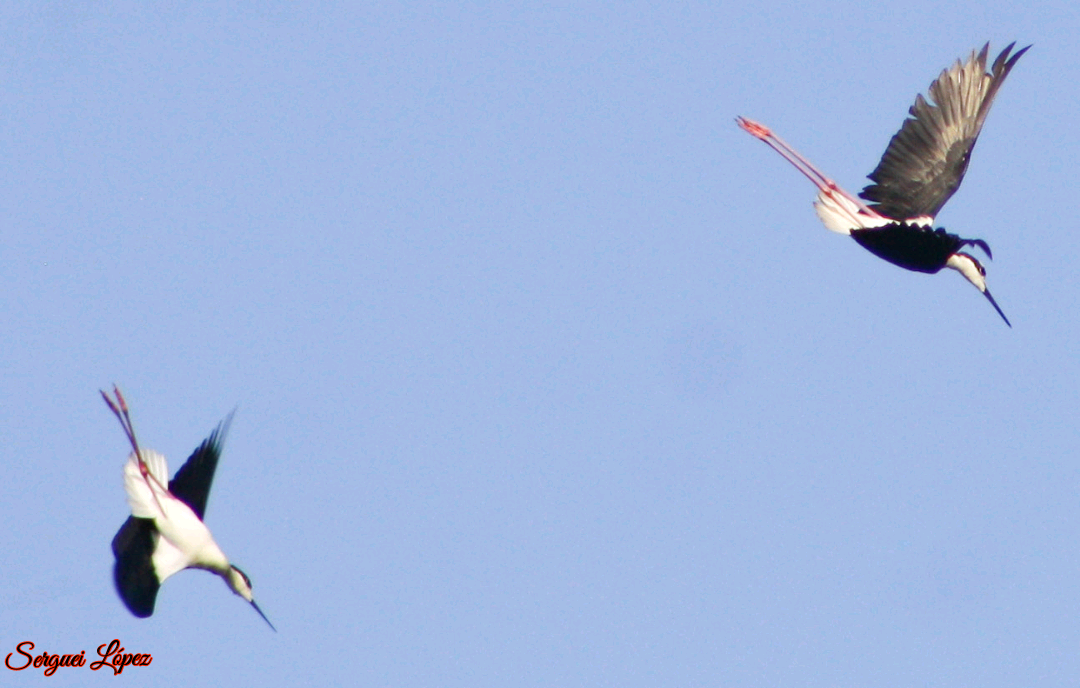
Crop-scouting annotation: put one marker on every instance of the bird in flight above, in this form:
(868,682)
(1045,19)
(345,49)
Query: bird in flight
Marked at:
(921,169)
(165,533)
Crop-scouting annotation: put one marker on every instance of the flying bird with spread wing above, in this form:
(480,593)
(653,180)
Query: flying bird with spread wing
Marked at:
(921,169)
(165,533)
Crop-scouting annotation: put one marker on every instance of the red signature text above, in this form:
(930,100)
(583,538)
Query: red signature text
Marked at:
(112,656)
(115,658)
(50,662)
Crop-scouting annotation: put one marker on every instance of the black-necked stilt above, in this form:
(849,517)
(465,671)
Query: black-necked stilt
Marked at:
(921,169)
(165,533)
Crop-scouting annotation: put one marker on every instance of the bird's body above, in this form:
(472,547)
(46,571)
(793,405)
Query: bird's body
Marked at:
(165,533)
(921,169)
(913,247)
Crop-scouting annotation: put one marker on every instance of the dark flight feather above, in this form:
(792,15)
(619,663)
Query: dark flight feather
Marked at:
(133,573)
(926,160)
(191,484)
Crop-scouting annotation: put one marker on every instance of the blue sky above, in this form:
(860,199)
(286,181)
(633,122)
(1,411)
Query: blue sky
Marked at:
(546,373)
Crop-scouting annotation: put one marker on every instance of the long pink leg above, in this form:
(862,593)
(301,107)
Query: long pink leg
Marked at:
(823,183)
(120,409)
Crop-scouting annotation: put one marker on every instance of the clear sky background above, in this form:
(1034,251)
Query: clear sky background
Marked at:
(546,373)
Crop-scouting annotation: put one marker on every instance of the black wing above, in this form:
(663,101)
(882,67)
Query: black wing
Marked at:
(191,484)
(911,247)
(926,160)
(133,573)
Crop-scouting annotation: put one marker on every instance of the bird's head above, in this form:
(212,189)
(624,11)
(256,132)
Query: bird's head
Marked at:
(241,585)
(975,273)
(970,268)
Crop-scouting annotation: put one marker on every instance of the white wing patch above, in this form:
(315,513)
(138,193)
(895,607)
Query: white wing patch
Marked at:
(159,467)
(140,494)
(841,215)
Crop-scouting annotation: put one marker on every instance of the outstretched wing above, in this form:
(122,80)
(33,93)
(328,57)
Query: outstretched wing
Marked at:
(926,160)
(191,484)
(133,573)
